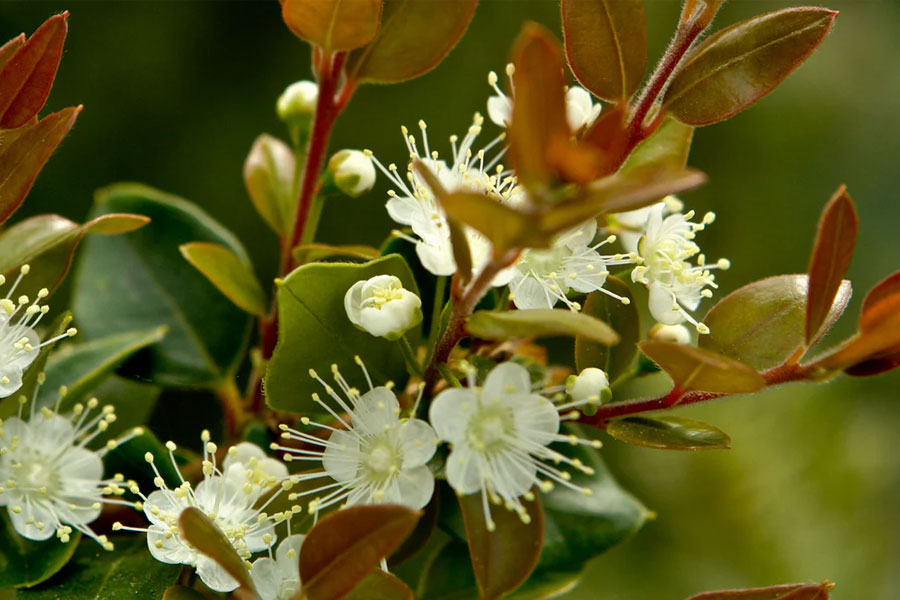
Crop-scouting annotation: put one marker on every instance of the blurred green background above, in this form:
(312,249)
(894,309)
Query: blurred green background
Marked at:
(175,92)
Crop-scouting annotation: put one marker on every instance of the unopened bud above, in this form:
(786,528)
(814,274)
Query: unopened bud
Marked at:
(591,386)
(676,334)
(353,172)
(297,101)
(383,307)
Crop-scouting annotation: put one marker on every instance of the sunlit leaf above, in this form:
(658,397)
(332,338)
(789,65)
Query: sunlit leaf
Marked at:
(26,78)
(269,179)
(23,153)
(697,369)
(830,258)
(308,253)
(200,532)
(344,547)
(414,36)
(740,64)
(606,44)
(231,275)
(623,319)
(380,585)
(501,566)
(333,25)
(27,563)
(667,147)
(539,322)
(763,324)
(668,433)
(794,591)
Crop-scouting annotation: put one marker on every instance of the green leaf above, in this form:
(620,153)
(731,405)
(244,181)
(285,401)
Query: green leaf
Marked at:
(415,35)
(314,332)
(139,281)
(269,179)
(26,78)
(544,585)
(578,526)
(128,458)
(504,226)
(499,566)
(308,253)
(669,146)
(333,25)
(623,319)
(793,591)
(200,532)
(449,575)
(231,275)
(26,563)
(180,592)
(539,322)
(702,370)
(668,433)
(740,64)
(380,585)
(763,323)
(832,251)
(94,574)
(344,547)
(48,243)
(23,153)
(606,44)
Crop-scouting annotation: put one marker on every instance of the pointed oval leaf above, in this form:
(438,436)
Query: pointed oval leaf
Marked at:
(539,322)
(26,78)
(314,332)
(23,153)
(740,64)
(669,146)
(231,275)
(606,44)
(668,433)
(501,566)
(344,547)
(333,25)
(307,253)
(793,591)
(381,585)
(763,323)
(269,179)
(701,370)
(8,49)
(623,319)
(888,287)
(415,35)
(504,226)
(27,563)
(139,281)
(878,340)
(200,532)
(832,251)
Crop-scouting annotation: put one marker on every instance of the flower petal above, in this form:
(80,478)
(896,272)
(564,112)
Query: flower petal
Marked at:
(506,379)
(450,413)
(341,457)
(463,471)
(215,576)
(376,409)
(418,443)
(536,420)
(415,487)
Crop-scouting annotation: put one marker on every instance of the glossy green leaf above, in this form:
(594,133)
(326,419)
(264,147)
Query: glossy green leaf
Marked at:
(26,563)
(740,64)
(832,251)
(231,275)
(126,573)
(606,44)
(314,332)
(500,566)
(129,459)
(203,534)
(26,78)
(702,370)
(333,25)
(23,153)
(623,319)
(380,585)
(346,546)
(668,433)
(763,323)
(48,243)
(308,253)
(139,281)
(544,585)
(539,322)
(269,179)
(448,574)
(415,35)
(669,146)
(504,226)
(794,591)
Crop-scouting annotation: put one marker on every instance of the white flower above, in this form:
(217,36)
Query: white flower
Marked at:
(352,171)
(383,307)
(500,435)
(413,204)
(591,386)
(676,285)
(677,334)
(580,108)
(298,100)
(544,277)
(230,498)
(378,457)
(50,482)
(629,226)
(278,577)
(19,343)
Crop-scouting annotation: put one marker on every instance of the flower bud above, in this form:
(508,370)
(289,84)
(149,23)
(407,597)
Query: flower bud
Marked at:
(297,101)
(382,307)
(353,172)
(590,386)
(677,334)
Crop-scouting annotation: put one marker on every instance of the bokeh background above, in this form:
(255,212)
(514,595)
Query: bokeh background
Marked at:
(175,92)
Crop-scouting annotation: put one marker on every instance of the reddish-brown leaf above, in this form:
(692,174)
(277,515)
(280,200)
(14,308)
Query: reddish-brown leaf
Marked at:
(878,340)
(888,287)
(28,75)
(23,153)
(696,369)
(380,585)
(830,258)
(793,591)
(9,48)
(333,25)
(204,535)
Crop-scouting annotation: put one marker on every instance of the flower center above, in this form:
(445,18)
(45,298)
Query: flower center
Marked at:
(383,295)
(545,263)
(36,470)
(490,428)
(382,460)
